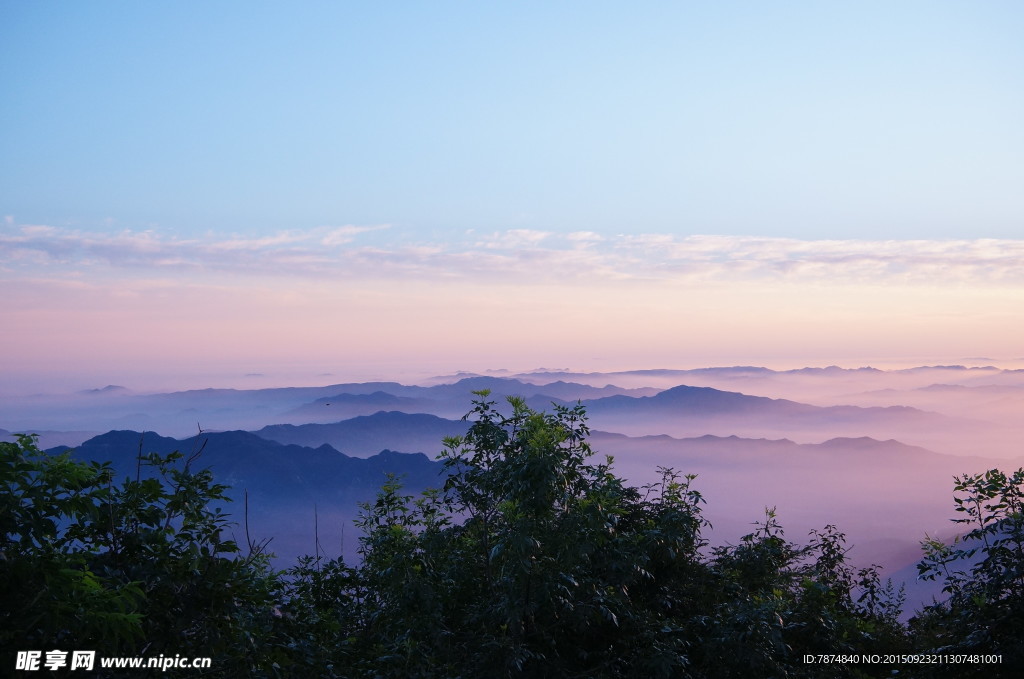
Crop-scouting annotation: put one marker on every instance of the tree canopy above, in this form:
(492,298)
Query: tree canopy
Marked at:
(533,560)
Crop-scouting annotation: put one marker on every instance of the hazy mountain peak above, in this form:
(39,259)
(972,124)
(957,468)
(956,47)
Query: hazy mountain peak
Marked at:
(109,389)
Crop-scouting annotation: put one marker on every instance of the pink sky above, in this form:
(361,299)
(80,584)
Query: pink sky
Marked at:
(144,304)
(514,187)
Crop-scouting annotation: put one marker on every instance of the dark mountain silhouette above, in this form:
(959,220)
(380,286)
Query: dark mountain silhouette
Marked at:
(286,484)
(815,404)
(444,400)
(178,413)
(364,435)
(884,494)
(109,389)
(572,391)
(691,411)
(686,400)
(246,460)
(339,406)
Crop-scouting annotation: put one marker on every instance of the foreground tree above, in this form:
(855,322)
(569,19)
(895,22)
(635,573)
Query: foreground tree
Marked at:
(983,575)
(555,569)
(138,567)
(52,591)
(534,561)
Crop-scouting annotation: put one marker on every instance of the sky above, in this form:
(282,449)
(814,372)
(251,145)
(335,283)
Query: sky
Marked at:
(203,191)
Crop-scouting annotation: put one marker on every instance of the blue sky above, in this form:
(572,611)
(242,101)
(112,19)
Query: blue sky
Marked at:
(803,120)
(588,185)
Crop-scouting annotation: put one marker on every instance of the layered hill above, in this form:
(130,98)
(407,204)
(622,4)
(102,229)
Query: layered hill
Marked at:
(364,435)
(293,491)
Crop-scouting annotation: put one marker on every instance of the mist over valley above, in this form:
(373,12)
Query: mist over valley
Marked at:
(871,451)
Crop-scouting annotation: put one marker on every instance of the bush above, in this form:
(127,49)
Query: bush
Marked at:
(139,567)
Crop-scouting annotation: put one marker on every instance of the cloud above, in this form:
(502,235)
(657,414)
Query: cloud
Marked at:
(341,235)
(513,239)
(519,256)
(940,262)
(283,252)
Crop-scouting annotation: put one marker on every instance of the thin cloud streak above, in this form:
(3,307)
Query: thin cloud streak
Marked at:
(523,256)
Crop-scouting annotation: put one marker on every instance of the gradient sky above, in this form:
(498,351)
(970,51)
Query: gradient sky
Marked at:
(223,188)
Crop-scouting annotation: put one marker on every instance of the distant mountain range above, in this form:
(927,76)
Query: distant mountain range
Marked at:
(284,482)
(686,410)
(307,480)
(859,448)
(367,434)
(447,400)
(681,410)
(620,411)
(247,460)
(885,494)
(182,412)
(749,370)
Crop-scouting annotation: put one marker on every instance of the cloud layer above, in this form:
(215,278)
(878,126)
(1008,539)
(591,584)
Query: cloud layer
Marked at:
(515,256)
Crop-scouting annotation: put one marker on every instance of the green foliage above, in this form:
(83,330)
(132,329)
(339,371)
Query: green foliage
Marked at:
(313,623)
(532,561)
(559,553)
(982,571)
(52,591)
(775,601)
(125,568)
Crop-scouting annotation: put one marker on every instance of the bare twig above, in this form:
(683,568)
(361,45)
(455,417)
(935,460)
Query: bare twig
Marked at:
(138,459)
